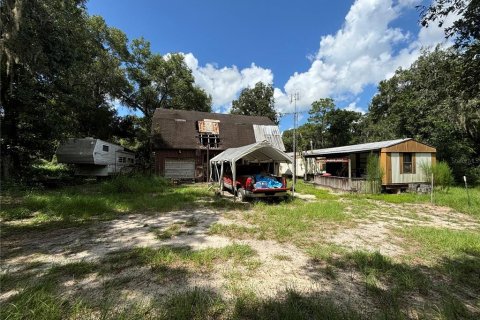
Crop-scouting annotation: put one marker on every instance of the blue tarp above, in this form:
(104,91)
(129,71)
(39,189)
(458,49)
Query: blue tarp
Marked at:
(263,182)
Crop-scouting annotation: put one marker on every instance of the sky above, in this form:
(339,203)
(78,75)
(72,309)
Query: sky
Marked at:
(337,49)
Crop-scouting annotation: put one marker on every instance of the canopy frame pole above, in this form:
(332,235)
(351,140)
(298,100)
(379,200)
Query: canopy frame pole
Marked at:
(233,166)
(221,178)
(218,173)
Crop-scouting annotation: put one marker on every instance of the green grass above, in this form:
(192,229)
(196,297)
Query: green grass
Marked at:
(455,253)
(170,232)
(191,303)
(325,252)
(37,298)
(455,198)
(104,201)
(293,306)
(309,188)
(234,231)
(181,258)
(282,257)
(295,221)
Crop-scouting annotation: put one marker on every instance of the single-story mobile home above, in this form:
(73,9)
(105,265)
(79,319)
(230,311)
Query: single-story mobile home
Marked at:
(94,157)
(400,160)
(184,141)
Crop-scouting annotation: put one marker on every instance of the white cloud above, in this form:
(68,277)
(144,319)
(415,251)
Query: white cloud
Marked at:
(362,52)
(353,107)
(225,84)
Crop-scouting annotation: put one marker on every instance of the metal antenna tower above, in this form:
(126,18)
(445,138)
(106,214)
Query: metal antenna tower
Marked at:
(293,99)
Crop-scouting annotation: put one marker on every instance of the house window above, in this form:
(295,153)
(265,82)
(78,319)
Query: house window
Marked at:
(105,148)
(122,160)
(407,162)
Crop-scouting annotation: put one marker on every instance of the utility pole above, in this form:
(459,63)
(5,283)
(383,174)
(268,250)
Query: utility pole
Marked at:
(293,98)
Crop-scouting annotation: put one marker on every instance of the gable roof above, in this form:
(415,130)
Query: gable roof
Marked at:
(262,151)
(372,146)
(178,129)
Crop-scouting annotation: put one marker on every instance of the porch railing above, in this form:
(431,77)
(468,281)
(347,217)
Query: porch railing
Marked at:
(359,185)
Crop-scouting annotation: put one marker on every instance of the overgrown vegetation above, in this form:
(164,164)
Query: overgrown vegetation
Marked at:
(440,172)
(374,174)
(309,188)
(449,254)
(102,201)
(455,198)
(460,252)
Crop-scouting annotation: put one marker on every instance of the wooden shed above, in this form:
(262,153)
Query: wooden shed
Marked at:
(401,161)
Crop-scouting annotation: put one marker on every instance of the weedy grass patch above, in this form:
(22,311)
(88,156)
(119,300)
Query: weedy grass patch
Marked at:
(455,253)
(167,257)
(455,198)
(105,201)
(295,220)
(169,232)
(309,188)
(235,231)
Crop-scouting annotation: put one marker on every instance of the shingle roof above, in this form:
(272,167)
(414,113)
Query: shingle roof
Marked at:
(177,129)
(355,148)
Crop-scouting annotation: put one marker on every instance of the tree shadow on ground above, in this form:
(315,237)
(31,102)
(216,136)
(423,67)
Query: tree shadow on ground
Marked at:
(447,290)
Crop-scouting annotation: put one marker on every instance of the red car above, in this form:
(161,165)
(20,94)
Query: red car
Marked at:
(247,187)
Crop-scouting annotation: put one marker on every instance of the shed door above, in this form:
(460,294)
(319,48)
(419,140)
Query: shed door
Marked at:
(180,168)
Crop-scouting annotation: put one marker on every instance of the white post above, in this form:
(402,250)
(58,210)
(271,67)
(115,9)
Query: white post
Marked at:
(466,188)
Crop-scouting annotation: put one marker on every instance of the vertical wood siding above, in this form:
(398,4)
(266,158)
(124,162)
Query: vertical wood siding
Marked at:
(398,177)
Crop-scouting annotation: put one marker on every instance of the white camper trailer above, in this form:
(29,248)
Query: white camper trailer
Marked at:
(94,157)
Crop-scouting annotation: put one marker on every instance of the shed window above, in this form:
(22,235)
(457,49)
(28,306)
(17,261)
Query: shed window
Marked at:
(105,148)
(407,162)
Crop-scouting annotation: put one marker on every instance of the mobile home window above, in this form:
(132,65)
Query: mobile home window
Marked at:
(407,163)
(105,148)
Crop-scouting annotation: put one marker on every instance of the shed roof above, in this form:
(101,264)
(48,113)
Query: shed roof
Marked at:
(371,146)
(256,152)
(178,129)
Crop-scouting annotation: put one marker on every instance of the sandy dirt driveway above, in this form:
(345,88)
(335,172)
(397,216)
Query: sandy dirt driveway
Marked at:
(276,267)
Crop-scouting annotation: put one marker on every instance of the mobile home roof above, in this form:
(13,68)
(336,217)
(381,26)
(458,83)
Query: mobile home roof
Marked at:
(372,146)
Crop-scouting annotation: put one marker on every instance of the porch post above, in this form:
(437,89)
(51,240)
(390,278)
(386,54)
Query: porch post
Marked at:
(349,172)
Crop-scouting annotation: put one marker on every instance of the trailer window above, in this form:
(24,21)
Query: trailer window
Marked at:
(407,162)
(105,148)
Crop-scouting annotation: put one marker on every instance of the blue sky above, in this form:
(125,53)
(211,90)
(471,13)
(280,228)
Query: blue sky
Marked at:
(338,49)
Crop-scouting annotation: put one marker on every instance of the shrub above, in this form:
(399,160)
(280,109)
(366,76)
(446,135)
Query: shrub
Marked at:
(135,184)
(374,174)
(442,174)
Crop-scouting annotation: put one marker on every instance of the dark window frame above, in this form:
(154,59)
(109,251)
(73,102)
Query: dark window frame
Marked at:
(106,148)
(407,165)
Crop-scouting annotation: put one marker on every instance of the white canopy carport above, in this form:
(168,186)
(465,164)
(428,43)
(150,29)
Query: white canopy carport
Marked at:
(260,152)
